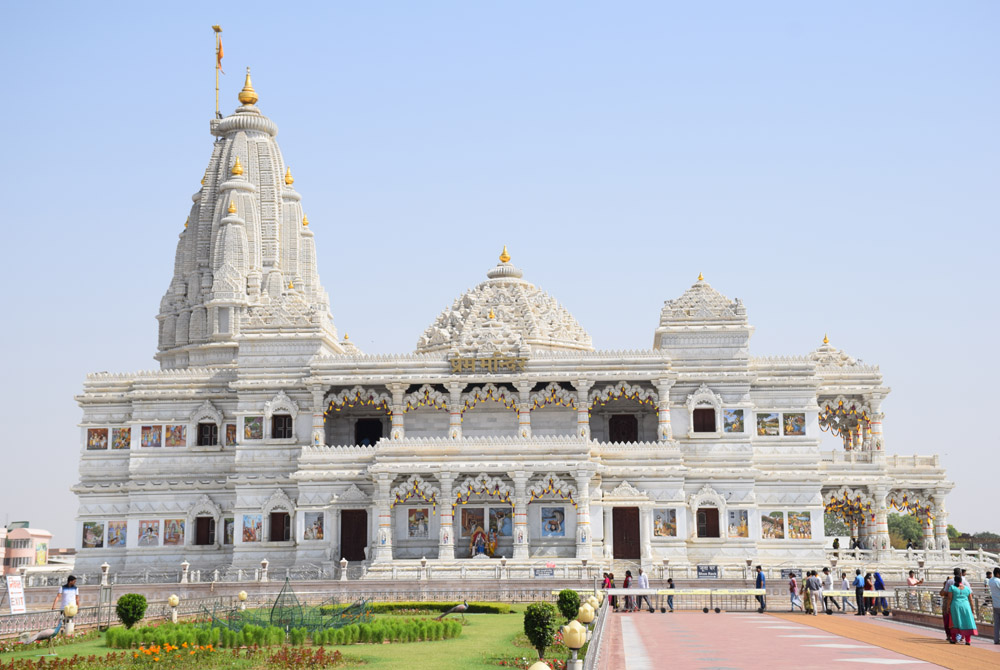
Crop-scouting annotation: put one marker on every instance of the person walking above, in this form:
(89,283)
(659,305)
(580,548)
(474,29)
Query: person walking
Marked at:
(68,594)
(611,585)
(846,586)
(761,583)
(627,584)
(945,612)
(670,599)
(828,586)
(793,591)
(883,603)
(871,607)
(994,585)
(963,617)
(642,582)
(815,588)
(807,602)
(859,592)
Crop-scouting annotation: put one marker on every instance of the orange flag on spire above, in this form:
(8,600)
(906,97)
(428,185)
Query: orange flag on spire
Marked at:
(218,56)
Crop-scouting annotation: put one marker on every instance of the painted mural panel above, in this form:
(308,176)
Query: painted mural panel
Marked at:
(173,532)
(253,526)
(253,428)
(314,522)
(739,523)
(417,521)
(230,434)
(772,526)
(502,521)
(664,523)
(228,530)
(553,522)
(149,533)
(93,534)
(800,525)
(471,518)
(117,534)
(176,436)
(121,438)
(769,424)
(794,423)
(97,438)
(41,553)
(732,421)
(152,436)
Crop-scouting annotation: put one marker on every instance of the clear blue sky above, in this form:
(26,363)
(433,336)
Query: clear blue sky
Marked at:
(835,165)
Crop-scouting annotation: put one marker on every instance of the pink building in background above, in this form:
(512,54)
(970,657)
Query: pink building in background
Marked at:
(24,548)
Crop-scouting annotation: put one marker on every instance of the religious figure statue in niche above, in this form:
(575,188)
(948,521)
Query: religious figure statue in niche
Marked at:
(478,542)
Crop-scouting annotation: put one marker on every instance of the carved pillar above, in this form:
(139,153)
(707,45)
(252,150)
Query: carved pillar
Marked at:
(609,530)
(455,409)
(864,526)
(854,528)
(582,386)
(645,526)
(881,530)
(398,421)
(941,523)
(524,409)
(874,440)
(319,417)
(928,526)
(584,541)
(664,431)
(446,533)
(383,512)
(521,537)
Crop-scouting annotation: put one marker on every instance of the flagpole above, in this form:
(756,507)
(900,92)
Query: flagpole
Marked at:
(218,40)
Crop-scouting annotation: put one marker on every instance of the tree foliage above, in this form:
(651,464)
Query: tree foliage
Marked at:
(539,626)
(834,526)
(905,528)
(131,608)
(569,603)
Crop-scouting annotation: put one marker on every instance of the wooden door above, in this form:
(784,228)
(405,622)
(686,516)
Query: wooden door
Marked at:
(353,534)
(204,530)
(625,522)
(708,522)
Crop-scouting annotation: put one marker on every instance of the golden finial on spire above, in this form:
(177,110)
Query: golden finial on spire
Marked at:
(826,340)
(288,176)
(504,257)
(491,315)
(237,167)
(291,285)
(232,207)
(248,96)
(186,222)
(701,277)
(346,336)
(202,181)
(305,220)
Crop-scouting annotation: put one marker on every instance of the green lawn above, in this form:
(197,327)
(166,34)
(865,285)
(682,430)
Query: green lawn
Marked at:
(484,635)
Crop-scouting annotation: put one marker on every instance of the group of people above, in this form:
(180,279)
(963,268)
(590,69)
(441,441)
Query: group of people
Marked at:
(959,606)
(809,595)
(634,603)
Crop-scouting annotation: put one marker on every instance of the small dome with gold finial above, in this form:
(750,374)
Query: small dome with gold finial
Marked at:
(826,339)
(248,96)
(288,176)
(305,221)
(237,167)
(232,207)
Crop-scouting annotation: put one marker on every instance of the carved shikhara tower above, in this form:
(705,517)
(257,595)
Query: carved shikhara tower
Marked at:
(265,436)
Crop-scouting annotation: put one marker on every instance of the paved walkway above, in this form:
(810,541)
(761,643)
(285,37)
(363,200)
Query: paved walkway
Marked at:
(643,641)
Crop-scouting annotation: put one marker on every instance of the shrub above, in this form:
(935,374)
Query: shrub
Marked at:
(568,604)
(131,608)
(539,625)
(414,607)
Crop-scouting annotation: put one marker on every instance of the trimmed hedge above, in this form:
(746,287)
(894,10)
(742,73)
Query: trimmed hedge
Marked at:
(176,635)
(410,607)
(376,632)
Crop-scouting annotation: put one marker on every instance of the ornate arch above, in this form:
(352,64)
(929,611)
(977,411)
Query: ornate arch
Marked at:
(708,497)
(552,394)
(280,404)
(625,390)
(488,391)
(704,397)
(483,485)
(415,487)
(846,502)
(359,396)
(204,506)
(425,396)
(911,502)
(207,413)
(552,485)
(847,419)
(278,502)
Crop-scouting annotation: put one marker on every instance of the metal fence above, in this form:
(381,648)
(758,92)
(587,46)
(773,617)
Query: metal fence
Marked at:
(706,600)
(595,648)
(930,601)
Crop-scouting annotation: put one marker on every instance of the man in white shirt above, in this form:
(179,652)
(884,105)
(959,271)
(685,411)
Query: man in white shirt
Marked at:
(642,582)
(994,585)
(828,586)
(68,594)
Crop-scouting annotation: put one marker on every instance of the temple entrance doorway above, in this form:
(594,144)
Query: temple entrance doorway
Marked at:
(708,522)
(353,534)
(625,522)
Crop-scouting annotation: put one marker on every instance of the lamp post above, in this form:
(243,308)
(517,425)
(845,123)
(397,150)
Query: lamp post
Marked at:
(104,573)
(69,612)
(574,637)
(184,571)
(263,569)
(585,616)
(666,571)
(343,569)
(242,597)
(503,567)
(423,568)
(584,562)
(173,601)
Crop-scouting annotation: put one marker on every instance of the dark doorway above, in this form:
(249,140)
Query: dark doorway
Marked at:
(625,522)
(204,530)
(367,432)
(353,534)
(623,428)
(708,522)
(281,527)
(704,420)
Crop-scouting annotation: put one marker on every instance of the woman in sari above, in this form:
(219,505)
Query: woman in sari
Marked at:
(882,603)
(629,600)
(959,604)
(614,599)
(870,602)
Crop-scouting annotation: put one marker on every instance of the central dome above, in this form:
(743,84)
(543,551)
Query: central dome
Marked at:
(504,314)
